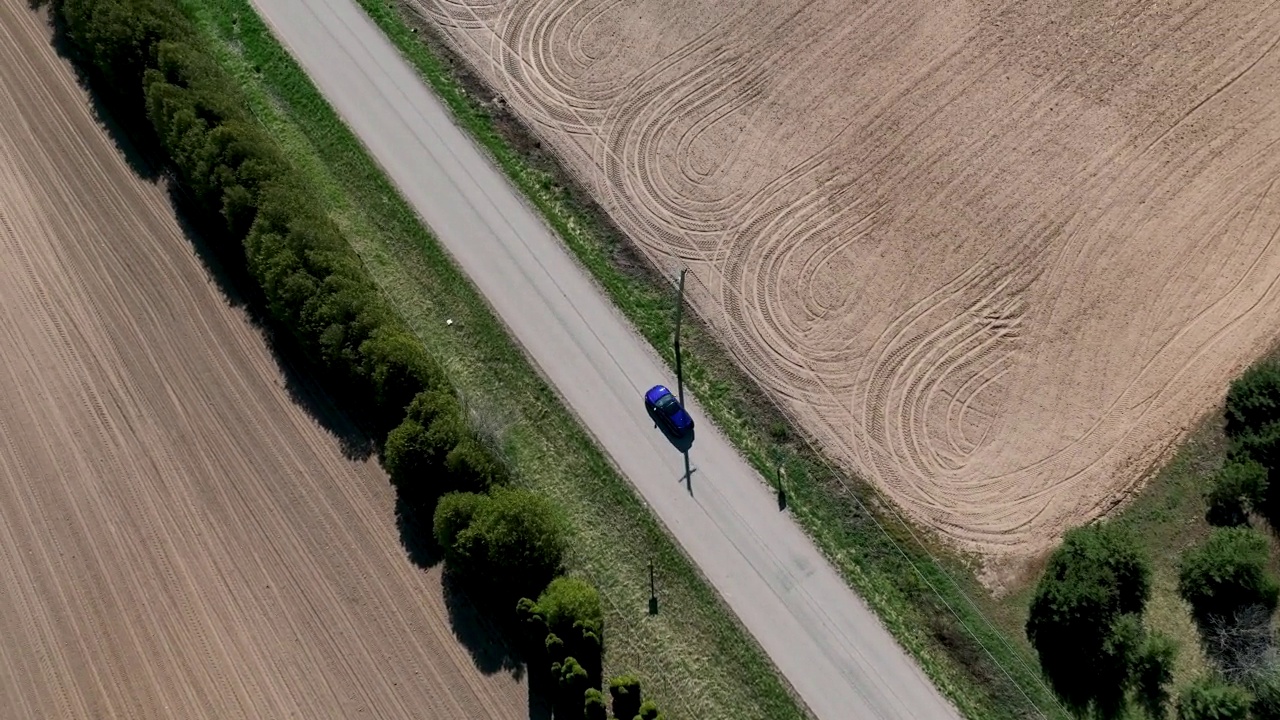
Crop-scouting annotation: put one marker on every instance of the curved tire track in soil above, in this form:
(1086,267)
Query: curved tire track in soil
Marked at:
(993,254)
(180,539)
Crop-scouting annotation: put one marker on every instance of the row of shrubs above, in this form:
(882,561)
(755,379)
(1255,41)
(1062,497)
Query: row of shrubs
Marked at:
(508,546)
(504,543)
(1242,485)
(1086,616)
(149,61)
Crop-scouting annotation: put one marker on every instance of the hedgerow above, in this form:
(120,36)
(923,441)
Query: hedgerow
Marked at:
(154,72)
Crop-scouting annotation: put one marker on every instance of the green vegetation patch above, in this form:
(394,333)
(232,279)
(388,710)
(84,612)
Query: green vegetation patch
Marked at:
(926,596)
(696,660)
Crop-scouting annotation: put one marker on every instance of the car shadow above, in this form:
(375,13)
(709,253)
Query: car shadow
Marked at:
(679,442)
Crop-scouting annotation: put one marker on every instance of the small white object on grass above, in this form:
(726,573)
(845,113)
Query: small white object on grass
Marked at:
(449,321)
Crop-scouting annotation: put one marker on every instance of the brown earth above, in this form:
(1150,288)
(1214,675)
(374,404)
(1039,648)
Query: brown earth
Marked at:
(178,538)
(998,257)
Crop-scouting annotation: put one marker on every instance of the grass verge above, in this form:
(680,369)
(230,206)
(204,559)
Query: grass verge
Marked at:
(696,661)
(926,596)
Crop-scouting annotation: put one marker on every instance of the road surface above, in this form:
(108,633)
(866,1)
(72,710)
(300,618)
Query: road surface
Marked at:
(822,637)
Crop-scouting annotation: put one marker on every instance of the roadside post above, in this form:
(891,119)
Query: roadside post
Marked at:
(653,592)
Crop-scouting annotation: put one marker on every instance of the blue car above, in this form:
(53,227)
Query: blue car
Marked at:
(666,409)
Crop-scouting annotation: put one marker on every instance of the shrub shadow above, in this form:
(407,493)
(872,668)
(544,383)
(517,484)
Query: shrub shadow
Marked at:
(354,431)
(416,535)
(490,635)
(142,155)
(481,630)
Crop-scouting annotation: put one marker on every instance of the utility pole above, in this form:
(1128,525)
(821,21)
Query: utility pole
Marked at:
(679,366)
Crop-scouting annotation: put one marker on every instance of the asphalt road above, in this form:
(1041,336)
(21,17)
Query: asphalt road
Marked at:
(821,636)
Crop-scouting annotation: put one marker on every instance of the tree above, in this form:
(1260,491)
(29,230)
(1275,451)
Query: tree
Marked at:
(407,456)
(1240,486)
(571,602)
(1242,645)
(454,514)
(649,711)
(625,692)
(595,708)
(473,466)
(1253,401)
(1117,664)
(117,38)
(1226,574)
(514,545)
(1211,699)
(570,608)
(532,624)
(1093,580)
(398,369)
(572,682)
(1153,671)
(417,452)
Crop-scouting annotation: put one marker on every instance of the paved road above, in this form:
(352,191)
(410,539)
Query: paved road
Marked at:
(820,634)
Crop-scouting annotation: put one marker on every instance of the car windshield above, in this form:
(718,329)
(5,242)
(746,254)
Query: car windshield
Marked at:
(668,404)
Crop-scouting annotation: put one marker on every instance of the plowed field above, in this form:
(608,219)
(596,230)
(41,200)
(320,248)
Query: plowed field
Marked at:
(997,257)
(178,537)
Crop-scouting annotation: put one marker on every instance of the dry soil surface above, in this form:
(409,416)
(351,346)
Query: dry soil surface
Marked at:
(999,257)
(178,538)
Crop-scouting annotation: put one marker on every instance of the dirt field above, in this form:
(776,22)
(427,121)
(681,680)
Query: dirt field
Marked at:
(998,257)
(178,538)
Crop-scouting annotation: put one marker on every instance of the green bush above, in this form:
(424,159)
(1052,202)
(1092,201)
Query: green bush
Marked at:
(1153,671)
(454,514)
(398,369)
(221,157)
(1227,574)
(569,608)
(1085,615)
(1240,486)
(568,603)
(1253,400)
(312,286)
(533,627)
(514,545)
(625,693)
(1211,699)
(1263,447)
(595,708)
(429,404)
(555,650)
(406,456)
(116,40)
(472,465)
(572,682)
(432,453)
(649,711)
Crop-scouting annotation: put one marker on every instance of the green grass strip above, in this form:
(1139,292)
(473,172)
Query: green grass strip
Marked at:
(925,597)
(693,657)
